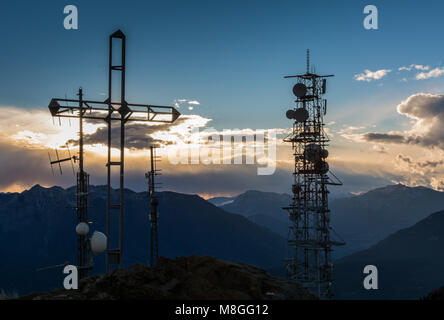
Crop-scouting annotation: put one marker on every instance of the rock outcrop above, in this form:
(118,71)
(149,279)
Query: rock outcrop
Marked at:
(188,278)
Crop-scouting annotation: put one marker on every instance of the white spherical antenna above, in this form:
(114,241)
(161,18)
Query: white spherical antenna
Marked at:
(82,229)
(299,90)
(290,114)
(98,242)
(301,115)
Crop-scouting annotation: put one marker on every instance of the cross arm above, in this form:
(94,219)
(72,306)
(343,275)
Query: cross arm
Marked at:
(102,110)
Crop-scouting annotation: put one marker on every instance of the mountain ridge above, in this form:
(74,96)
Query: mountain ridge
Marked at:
(410,263)
(187,225)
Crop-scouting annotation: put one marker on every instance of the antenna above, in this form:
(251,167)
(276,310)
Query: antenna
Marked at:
(53,267)
(71,158)
(59,161)
(84,258)
(309,237)
(111,111)
(154,202)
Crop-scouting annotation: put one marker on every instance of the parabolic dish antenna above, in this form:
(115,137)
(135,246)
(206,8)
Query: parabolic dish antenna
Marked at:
(312,152)
(315,153)
(290,114)
(322,167)
(324,153)
(82,229)
(98,242)
(301,115)
(299,90)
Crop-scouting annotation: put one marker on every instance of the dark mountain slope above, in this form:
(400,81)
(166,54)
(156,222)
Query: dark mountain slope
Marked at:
(39,230)
(368,218)
(254,202)
(263,208)
(410,263)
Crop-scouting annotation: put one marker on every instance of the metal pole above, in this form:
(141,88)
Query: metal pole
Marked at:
(108,200)
(122,152)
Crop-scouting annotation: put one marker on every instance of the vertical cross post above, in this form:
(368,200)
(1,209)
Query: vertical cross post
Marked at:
(114,256)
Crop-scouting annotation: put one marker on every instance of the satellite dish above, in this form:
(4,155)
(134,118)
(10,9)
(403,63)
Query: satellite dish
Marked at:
(290,114)
(301,115)
(324,153)
(312,152)
(299,90)
(82,229)
(315,153)
(321,167)
(98,242)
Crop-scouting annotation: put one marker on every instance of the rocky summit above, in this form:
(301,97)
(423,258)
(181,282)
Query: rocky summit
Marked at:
(191,278)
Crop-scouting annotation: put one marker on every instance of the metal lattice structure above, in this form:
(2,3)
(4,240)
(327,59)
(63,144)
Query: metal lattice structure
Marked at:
(84,258)
(112,110)
(309,236)
(154,214)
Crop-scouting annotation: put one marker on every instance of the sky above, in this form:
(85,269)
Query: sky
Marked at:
(221,63)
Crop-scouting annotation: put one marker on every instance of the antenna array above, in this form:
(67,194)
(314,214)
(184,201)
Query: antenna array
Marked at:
(154,202)
(309,232)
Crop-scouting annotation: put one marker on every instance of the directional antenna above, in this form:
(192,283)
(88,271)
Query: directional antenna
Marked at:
(59,161)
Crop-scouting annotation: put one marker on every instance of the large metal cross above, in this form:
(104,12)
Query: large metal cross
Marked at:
(112,110)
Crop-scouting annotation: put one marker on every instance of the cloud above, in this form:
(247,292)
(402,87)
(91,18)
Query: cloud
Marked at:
(434,73)
(383,137)
(431,164)
(372,75)
(190,104)
(414,66)
(140,135)
(380,149)
(28,135)
(427,114)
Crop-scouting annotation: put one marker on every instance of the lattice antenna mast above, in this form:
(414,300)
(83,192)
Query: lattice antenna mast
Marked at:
(308,61)
(309,238)
(84,258)
(154,202)
(112,111)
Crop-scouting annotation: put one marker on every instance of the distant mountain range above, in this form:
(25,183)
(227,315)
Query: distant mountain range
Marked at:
(410,264)
(406,239)
(360,221)
(38,227)
(262,208)
(368,218)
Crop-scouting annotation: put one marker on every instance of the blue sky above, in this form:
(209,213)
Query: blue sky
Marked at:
(230,56)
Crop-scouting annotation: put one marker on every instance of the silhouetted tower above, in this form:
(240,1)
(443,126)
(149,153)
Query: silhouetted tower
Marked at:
(154,215)
(309,236)
(84,258)
(82,191)
(114,109)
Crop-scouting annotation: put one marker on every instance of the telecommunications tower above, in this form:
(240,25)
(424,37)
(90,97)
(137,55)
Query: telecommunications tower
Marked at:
(309,236)
(154,202)
(84,258)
